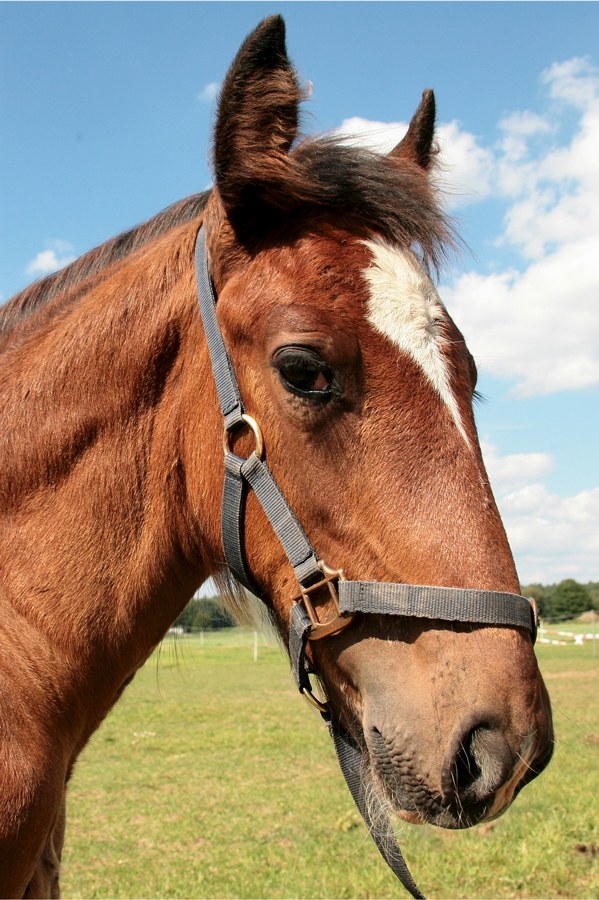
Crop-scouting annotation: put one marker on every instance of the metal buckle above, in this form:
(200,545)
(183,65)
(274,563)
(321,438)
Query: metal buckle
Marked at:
(535,618)
(338,622)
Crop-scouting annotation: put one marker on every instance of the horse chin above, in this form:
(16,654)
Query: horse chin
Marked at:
(412,818)
(412,802)
(447,817)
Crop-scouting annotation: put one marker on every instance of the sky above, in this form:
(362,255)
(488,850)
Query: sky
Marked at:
(106,112)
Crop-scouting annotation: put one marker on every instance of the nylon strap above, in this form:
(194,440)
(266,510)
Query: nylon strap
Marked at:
(447,604)
(229,395)
(299,550)
(232,512)
(370,808)
(298,635)
(252,471)
(351,761)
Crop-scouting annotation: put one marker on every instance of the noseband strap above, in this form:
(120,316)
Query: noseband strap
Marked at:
(491,608)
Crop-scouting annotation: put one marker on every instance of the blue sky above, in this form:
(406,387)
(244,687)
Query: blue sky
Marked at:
(106,111)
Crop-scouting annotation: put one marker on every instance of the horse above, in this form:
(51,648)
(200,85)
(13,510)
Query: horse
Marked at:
(358,388)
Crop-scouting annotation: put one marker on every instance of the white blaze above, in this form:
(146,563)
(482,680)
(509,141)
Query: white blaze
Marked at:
(405,307)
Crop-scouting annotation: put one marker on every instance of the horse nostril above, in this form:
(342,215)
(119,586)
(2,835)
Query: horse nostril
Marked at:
(478,762)
(466,770)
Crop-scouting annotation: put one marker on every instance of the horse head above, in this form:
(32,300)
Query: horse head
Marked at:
(322,258)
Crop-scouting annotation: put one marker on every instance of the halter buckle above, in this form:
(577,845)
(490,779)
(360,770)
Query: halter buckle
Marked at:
(535,618)
(340,620)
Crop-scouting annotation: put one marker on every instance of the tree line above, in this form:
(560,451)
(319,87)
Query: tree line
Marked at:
(565,600)
(203,614)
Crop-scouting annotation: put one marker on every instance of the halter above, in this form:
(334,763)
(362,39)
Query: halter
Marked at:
(314,575)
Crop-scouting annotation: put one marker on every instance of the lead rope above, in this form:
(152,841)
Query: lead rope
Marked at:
(351,760)
(351,764)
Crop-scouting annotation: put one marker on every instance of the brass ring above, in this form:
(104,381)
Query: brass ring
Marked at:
(320,706)
(251,423)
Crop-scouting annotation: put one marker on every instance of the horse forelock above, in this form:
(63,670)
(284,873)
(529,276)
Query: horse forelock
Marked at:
(325,179)
(326,183)
(384,195)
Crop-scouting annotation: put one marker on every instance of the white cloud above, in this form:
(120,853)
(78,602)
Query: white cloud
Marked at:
(539,326)
(573,80)
(209,92)
(49,260)
(466,168)
(552,537)
(381,137)
(515,470)
(536,324)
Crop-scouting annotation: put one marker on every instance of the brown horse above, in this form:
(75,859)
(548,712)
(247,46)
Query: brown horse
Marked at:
(111,468)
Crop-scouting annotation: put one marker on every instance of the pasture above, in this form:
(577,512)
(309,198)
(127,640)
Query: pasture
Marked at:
(213,778)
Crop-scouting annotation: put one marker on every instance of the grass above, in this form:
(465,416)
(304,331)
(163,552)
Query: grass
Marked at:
(212,778)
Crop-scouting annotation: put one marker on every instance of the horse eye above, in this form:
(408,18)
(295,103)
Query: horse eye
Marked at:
(305,378)
(303,373)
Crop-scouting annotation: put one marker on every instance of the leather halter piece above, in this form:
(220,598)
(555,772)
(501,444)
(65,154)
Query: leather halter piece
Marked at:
(314,576)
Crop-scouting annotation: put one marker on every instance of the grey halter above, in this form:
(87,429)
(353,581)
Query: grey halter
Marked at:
(350,597)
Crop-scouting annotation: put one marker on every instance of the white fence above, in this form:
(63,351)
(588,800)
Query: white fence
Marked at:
(576,639)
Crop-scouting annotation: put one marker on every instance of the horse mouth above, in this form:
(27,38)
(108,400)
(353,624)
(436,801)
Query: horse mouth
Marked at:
(467,794)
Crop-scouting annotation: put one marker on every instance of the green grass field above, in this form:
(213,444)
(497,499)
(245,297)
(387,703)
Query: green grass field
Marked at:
(213,778)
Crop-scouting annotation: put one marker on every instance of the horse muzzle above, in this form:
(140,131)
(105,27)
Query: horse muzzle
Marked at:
(475,779)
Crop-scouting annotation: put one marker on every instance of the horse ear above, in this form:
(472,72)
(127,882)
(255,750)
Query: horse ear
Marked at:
(417,145)
(257,120)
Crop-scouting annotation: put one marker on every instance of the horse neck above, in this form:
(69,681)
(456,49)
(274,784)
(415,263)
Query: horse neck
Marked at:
(99,551)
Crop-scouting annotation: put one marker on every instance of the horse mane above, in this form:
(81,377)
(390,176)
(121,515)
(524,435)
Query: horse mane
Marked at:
(32,298)
(325,178)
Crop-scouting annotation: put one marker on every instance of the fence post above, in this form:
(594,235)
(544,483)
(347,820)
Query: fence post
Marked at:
(594,634)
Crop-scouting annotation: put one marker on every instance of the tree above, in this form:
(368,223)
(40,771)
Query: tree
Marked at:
(593,591)
(569,599)
(211,613)
(205,613)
